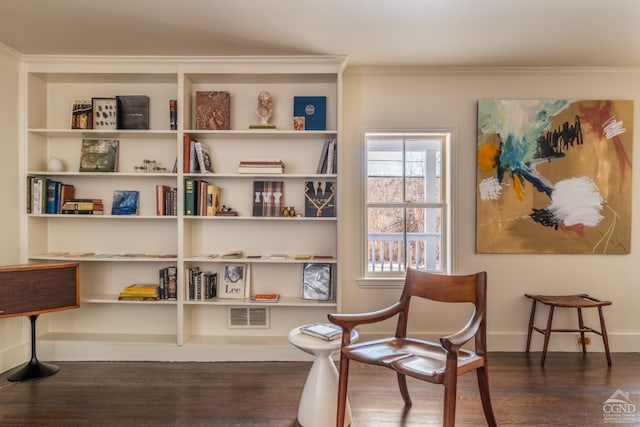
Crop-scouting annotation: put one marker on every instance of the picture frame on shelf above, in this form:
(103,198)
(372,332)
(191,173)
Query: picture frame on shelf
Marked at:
(319,199)
(81,113)
(317,281)
(105,113)
(235,281)
(99,155)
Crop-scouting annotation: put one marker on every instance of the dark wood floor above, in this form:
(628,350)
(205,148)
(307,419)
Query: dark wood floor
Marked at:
(569,391)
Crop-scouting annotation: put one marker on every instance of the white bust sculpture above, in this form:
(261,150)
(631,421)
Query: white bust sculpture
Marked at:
(265,107)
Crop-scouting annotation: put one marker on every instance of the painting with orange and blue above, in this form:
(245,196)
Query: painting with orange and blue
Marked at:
(554,176)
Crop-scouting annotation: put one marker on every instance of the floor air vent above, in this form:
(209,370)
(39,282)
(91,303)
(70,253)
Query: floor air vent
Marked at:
(248,317)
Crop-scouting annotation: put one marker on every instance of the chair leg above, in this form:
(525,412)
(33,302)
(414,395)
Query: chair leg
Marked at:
(404,391)
(449,416)
(581,326)
(485,397)
(531,319)
(605,338)
(547,334)
(342,391)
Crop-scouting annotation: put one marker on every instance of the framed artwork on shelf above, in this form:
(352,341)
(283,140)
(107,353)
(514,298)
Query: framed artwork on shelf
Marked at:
(99,155)
(125,202)
(81,113)
(105,113)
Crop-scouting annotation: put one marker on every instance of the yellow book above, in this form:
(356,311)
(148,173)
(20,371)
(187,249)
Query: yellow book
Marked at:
(151,289)
(213,199)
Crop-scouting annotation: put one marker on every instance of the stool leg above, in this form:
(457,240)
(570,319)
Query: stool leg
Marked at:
(533,315)
(605,338)
(547,334)
(581,326)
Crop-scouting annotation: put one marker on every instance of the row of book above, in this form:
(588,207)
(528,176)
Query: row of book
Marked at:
(47,196)
(200,285)
(201,198)
(196,156)
(328,162)
(166,200)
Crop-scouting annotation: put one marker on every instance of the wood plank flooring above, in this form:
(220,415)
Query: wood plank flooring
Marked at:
(569,391)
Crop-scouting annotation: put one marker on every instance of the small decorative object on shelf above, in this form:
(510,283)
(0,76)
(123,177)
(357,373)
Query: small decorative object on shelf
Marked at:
(264,111)
(298,123)
(105,113)
(325,331)
(213,110)
(265,298)
(226,211)
(55,164)
(313,109)
(289,211)
(149,166)
(125,202)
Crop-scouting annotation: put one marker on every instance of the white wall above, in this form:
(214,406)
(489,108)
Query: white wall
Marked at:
(12,347)
(424,99)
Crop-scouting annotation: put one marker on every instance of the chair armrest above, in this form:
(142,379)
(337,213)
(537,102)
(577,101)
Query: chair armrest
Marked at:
(453,342)
(351,320)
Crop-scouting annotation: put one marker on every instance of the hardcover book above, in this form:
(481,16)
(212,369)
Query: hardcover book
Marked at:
(235,282)
(132,112)
(265,298)
(316,281)
(99,155)
(105,113)
(313,109)
(173,114)
(319,199)
(268,198)
(81,114)
(203,155)
(325,331)
(125,202)
(213,110)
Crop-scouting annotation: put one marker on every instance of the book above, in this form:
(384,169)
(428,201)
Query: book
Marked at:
(313,109)
(173,114)
(232,255)
(105,113)
(132,112)
(268,198)
(125,202)
(141,288)
(172,282)
(325,331)
(316,281)
(186,153)
(213,110)
(53,196)
(162,197)
(81,113)
(235,283)
(204,157)
(319,199)
(265,298)
(99,155)
(189,196)
(137,297)
(213,200)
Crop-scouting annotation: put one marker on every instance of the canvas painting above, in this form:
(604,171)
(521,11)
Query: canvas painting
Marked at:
(554,176)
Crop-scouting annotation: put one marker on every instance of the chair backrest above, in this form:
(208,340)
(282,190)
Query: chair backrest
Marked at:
(470,288)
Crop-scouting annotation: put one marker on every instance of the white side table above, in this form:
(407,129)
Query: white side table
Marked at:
(319,400)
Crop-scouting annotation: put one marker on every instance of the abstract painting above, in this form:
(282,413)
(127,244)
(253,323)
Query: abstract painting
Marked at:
(554,176)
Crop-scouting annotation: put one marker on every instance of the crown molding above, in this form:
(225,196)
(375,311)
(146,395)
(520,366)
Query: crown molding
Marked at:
(6,50)
(462,70)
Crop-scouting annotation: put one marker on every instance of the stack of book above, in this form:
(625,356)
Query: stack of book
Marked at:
(83,207)
(324,331)
(140,292)
(263,166)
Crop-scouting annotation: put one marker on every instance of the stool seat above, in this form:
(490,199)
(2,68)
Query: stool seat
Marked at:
(578,302)
(571,301)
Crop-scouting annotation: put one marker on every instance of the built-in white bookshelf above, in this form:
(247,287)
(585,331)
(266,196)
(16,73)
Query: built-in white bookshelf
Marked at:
(115,251)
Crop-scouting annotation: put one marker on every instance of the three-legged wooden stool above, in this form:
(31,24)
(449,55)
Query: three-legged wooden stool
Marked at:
(571,301)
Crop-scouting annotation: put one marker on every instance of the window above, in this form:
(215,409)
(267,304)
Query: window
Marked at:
(406,209)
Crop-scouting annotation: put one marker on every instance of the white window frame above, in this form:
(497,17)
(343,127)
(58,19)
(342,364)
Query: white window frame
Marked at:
(396,278)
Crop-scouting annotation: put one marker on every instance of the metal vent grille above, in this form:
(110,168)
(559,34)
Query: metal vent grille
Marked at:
(248,317)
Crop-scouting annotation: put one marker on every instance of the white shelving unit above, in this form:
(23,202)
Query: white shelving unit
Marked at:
(104,328)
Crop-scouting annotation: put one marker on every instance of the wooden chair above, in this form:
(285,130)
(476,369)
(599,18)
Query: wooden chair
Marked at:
(428,361)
